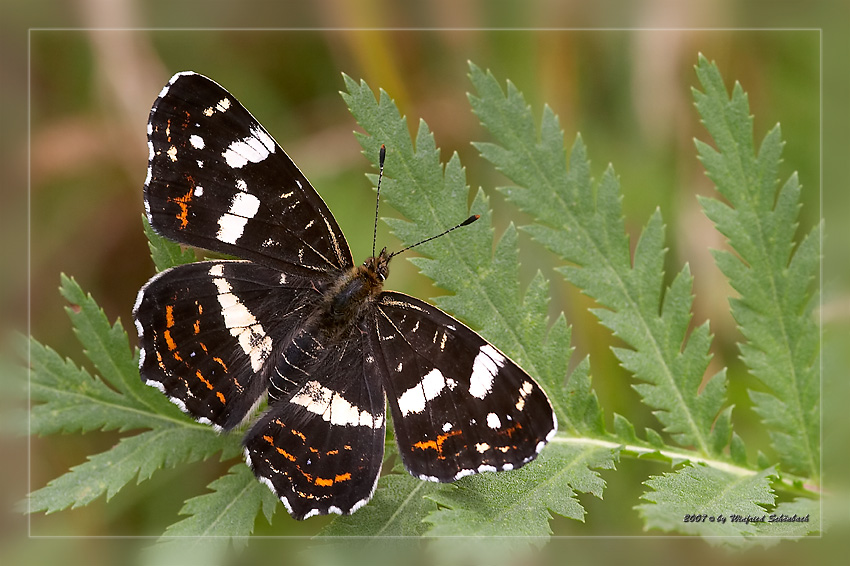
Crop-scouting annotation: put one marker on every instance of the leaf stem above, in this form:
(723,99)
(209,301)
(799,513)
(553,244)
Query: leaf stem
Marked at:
(786,482)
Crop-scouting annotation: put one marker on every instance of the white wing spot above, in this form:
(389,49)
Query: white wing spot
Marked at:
(447,427)
(253,149)
(252,338)
(199,190)
(493,420)
(241,185)
(414,399)
(231,224)
(524,392)
(197,141)
(482,447)
(172,153)
(223,105)
(484,368)
(333,407)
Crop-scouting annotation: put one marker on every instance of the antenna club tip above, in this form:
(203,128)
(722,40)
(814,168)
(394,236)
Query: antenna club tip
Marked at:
(470,220)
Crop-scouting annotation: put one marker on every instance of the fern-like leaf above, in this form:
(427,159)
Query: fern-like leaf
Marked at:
(225,515)
(705,501)
(484,280)
(70,399)
(774,311)
(583,224)
(397,509)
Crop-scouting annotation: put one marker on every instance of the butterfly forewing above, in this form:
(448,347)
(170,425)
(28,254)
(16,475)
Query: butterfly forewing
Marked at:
(459,405)
(217,180)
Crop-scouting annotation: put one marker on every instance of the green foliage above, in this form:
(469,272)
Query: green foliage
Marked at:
(484,280)
(774,311)
(479,506)
(164,252)
(699,500)
(583,223)
(228,513)
(72,400)
(398,508)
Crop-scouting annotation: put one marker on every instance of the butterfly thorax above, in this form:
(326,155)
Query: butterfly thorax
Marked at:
(347,300)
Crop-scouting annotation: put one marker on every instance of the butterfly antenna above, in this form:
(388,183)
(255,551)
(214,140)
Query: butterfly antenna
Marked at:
(466,222)
(381,156)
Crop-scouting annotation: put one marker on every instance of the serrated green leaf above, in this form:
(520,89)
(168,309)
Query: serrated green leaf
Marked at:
(134,457)
(774,311)
(397,509)
(107,347)
(165,253)
(579,399)
(483,276)
(231,508)
(654,438)
(484,281)
(793,519)
(70,399)
(717,503)
(624,429)
(584,224)
(738,450)
(518,503)
(226,515)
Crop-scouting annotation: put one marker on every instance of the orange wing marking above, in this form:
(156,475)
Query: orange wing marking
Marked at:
(437,444)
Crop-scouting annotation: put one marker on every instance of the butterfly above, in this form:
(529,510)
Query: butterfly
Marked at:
(296,322)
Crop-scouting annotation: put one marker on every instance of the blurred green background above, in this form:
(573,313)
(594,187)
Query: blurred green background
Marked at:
(626,91)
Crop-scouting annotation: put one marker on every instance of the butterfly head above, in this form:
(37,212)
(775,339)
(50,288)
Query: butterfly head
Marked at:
(379,265)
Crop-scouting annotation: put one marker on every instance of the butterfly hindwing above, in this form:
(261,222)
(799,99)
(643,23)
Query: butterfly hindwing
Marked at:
(208,329)
(320,448)
(459,406)
(217,180)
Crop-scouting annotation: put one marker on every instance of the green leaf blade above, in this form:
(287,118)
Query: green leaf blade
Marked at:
(518,502)
(226,515)
(774,311)
(398,508)
(724,500)
(134,457)
(584,224)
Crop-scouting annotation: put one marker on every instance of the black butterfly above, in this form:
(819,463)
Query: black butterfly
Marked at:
(299,320)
